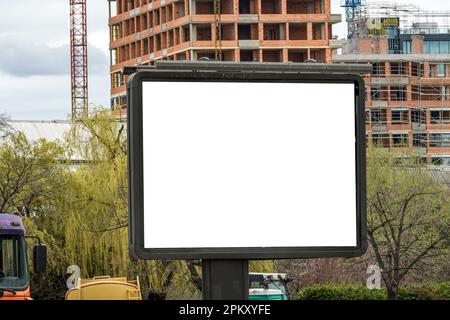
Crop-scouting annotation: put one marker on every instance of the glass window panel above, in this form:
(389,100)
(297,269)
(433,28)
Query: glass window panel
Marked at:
(441,70)
(434,47)
(426,47)
(443,47)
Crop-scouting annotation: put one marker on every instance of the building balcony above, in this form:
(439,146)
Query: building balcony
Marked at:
(248,18)
(248,44)
(393,80)
(336,44)
(335,18)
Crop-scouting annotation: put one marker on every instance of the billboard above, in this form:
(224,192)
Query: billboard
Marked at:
(383,27)
(246,166)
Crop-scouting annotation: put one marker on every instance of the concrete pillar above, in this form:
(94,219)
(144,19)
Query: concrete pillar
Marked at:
(213,31)
(309,31)
(192,7)
(285,55)
(329,55)
(327,9)
(261,31)
(287,31)
(235,7)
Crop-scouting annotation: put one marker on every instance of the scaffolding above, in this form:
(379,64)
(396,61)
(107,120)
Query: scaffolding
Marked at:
(412,19)
(409,106)
(218,29)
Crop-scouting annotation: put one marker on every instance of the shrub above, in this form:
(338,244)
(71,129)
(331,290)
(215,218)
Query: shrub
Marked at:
(340,292)
(440,291)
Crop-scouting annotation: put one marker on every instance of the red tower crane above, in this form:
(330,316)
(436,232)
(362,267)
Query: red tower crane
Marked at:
(78,49)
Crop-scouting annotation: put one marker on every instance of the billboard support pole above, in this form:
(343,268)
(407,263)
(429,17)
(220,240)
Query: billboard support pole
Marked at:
(225,279)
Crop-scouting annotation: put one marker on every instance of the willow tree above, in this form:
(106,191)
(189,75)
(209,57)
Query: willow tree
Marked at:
(408,216)
(95,209)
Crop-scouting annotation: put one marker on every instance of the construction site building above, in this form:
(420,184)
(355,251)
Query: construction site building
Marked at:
(408,90)
(143,31)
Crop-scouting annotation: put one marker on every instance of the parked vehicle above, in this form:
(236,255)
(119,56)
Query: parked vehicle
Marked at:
(14,276)
(106,288)
(269,286)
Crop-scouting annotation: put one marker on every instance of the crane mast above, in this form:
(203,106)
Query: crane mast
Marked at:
(78,53)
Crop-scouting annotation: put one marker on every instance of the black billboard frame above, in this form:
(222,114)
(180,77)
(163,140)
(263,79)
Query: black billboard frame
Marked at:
(135,167)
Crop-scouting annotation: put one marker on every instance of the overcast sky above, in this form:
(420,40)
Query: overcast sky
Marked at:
(35,56)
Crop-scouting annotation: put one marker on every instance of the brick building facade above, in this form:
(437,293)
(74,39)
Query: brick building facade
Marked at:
(142,31)
(408,94)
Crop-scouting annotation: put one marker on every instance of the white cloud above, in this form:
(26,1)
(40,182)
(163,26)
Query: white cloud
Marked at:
(35,61)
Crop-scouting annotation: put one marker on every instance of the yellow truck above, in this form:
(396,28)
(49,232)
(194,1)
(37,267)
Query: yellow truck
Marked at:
(106,288)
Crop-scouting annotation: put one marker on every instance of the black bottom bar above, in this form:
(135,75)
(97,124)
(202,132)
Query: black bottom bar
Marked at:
(225,279)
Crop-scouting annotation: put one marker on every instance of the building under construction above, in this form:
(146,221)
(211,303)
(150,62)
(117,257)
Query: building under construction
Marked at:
(408,90)
(143,31)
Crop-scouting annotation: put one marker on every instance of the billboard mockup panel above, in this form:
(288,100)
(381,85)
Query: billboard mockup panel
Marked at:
(234,168)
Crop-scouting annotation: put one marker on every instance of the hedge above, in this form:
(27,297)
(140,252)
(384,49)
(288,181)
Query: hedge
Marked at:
(439,291)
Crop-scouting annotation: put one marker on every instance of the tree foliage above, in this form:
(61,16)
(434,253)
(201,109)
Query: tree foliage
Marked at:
(408,216)
(80,211)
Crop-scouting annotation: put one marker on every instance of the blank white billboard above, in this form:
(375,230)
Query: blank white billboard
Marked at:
(237,164)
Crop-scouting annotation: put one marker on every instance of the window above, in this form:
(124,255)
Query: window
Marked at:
(117,80)
(12,262)
(396,68)
(380,140)
(417,69)
(441,161)
(400,140)
(441,70)
(406,47)
(274,32)
(440,140)
(378,68)
(420,140)
(378,116)
(418,116)
(114,56)
(270,6)
(440,116)
(398,93)
(399,116)
(204,33)
(436,47)
(115,32)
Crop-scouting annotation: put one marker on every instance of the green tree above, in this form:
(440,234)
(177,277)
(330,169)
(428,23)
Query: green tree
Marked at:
(31,175)
(32,180)
(408,216)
